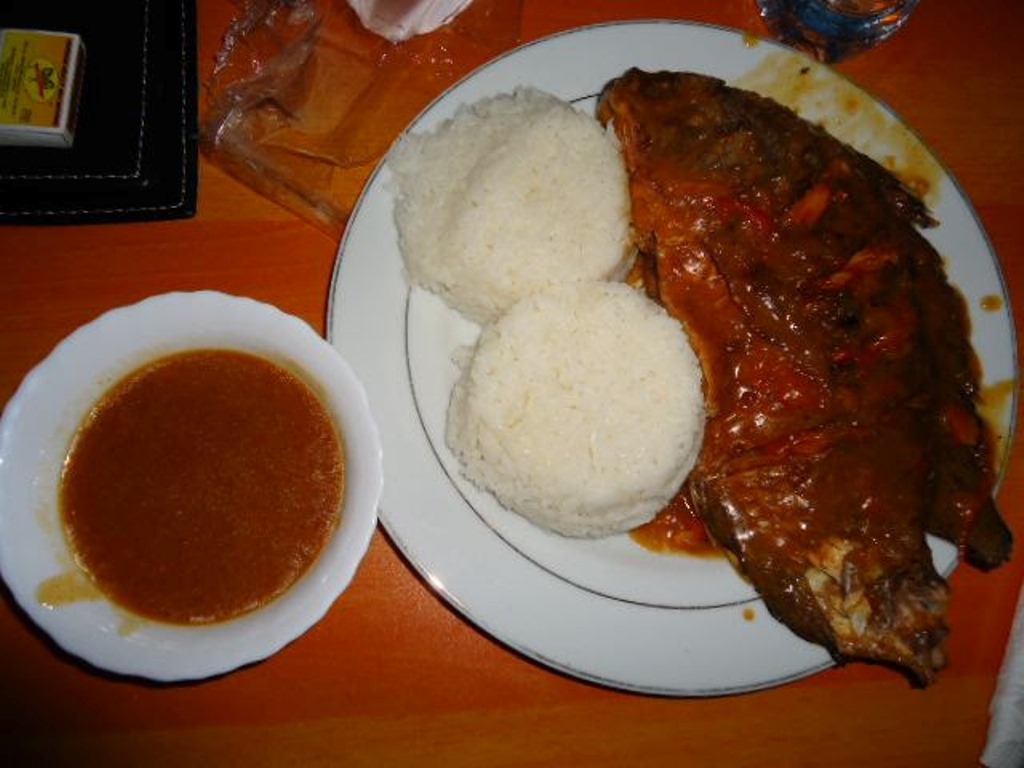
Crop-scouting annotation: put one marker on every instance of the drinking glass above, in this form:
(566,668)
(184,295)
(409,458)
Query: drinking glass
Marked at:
(831,30)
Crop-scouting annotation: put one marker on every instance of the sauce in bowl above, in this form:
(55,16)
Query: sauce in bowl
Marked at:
(202,486)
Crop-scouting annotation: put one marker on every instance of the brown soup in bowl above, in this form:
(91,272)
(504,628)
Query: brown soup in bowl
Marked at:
(202,485)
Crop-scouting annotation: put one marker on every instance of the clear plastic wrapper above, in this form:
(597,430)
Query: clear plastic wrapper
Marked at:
(304,98)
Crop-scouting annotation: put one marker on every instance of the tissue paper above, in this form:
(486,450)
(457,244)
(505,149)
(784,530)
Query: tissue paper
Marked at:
(399,20)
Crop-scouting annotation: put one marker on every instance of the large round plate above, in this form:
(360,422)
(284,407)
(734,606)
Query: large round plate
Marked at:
(606,611)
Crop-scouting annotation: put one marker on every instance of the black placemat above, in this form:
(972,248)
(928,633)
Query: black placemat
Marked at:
(135,152)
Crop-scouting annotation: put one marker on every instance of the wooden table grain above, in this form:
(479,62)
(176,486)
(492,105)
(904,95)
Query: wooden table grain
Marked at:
(392,676)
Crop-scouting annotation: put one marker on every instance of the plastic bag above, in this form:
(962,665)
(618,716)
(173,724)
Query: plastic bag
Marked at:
(304,99)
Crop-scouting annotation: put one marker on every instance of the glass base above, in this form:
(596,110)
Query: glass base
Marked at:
(831,30)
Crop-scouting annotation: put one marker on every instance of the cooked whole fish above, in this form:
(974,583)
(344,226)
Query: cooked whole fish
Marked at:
(840,381)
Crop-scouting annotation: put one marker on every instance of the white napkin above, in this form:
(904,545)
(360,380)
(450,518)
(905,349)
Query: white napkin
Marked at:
(399,20)
(1005,745)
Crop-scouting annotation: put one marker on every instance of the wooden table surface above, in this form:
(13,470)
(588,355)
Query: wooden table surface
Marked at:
(392,675)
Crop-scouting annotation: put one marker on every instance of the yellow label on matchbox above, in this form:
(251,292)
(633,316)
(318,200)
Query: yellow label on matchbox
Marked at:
(39,81)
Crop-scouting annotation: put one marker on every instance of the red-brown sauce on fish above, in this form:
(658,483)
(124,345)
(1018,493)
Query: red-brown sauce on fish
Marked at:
(840,384)
(676,528)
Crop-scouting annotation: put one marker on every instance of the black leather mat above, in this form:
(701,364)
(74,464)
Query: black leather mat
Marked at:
(135,152)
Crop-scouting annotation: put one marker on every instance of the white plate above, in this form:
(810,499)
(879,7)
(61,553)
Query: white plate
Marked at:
(36,431)
(605,611)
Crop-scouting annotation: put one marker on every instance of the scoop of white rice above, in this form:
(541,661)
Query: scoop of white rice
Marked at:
(581,409)
(515,193)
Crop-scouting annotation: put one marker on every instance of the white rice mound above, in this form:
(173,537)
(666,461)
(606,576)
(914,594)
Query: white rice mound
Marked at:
(515,193)
(580,409)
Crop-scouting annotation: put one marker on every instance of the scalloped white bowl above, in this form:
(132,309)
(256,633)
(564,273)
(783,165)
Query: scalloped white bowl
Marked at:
(42,417)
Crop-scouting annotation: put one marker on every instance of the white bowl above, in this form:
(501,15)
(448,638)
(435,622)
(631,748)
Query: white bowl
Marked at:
(45,413)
